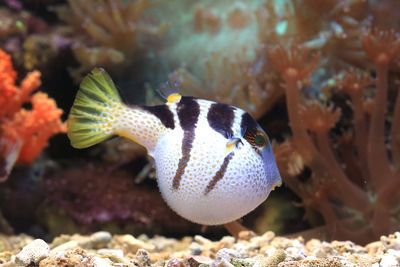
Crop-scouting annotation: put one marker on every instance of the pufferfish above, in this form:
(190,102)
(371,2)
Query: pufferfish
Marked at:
(214,163)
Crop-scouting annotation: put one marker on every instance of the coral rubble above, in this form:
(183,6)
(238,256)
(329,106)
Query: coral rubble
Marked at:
(103,249)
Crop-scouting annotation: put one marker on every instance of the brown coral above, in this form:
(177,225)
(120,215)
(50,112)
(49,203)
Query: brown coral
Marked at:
(234,80)
(109,30)
(329,160)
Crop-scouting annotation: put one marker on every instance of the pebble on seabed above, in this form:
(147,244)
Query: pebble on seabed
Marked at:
(102,249)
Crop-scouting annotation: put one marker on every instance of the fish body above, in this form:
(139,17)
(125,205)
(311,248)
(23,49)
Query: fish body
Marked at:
(214,163)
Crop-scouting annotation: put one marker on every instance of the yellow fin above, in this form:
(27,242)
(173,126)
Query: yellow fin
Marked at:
(90,120)
(174,98)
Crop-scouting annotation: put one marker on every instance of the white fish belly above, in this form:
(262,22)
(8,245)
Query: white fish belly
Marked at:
(241,188)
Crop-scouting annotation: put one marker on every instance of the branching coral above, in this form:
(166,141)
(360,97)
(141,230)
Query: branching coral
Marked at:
(109,29)
(236,81)
(357,208)
(23,133)
(27,38)
(245,78)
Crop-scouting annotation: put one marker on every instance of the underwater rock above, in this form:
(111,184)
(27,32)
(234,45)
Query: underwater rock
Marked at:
(34,252)
(100,239)
(391,241)
(143,258)
(100,262)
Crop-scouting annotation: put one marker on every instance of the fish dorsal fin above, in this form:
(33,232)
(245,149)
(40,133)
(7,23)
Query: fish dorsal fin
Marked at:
(170,91)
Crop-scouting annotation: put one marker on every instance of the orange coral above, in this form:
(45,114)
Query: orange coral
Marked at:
(24,133)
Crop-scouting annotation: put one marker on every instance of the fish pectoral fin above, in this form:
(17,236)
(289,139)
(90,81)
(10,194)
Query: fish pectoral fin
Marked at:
(170,91)
(233,142)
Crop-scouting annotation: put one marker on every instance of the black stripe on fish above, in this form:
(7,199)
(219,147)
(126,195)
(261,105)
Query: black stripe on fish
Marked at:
(220,117)
(188,113)
(219,174)
(163,113)
(247,123)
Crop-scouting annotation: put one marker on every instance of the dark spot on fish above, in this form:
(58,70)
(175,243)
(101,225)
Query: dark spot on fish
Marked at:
(188,112)
(163,113)
(247,123)
(220,117)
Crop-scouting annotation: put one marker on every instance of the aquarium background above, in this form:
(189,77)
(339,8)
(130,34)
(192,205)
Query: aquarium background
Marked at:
(321,77)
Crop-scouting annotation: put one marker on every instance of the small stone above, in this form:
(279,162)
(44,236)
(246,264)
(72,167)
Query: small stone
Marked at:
(375,248)
(70,245)
(227,254)
(389,260)
(129,244)
(284,243)
(99,262)
(224,256)
(362,259)
(246,235)
(195,248)
(100,239)
(311,261)
(261,241)
(5,256)
(272,260)
(202,240)
(175,263)
(391,241)
(227,242)
(34,252)
(143,258)
(347,247)
(269,235)
(224,263)
(242,249)
(199,260)
(111,252)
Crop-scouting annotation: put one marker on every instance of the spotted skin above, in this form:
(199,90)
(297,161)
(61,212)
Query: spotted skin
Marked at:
(200,174)
(245,182)
(220,173)
(163,113)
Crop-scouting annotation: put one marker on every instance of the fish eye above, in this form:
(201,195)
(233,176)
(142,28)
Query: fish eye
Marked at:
(256,139)
(259,140)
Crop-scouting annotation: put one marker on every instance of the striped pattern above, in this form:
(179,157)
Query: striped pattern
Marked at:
(219,174)
(188,111)
(247,123)
(163,113)
(220,117)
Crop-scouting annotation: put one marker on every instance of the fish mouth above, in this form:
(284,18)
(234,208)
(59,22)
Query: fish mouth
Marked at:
(277,182)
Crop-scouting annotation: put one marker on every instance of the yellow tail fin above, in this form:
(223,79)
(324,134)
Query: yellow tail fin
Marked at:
(91,117)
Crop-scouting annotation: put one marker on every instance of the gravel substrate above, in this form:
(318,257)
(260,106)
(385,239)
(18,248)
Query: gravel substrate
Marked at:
(249,250)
